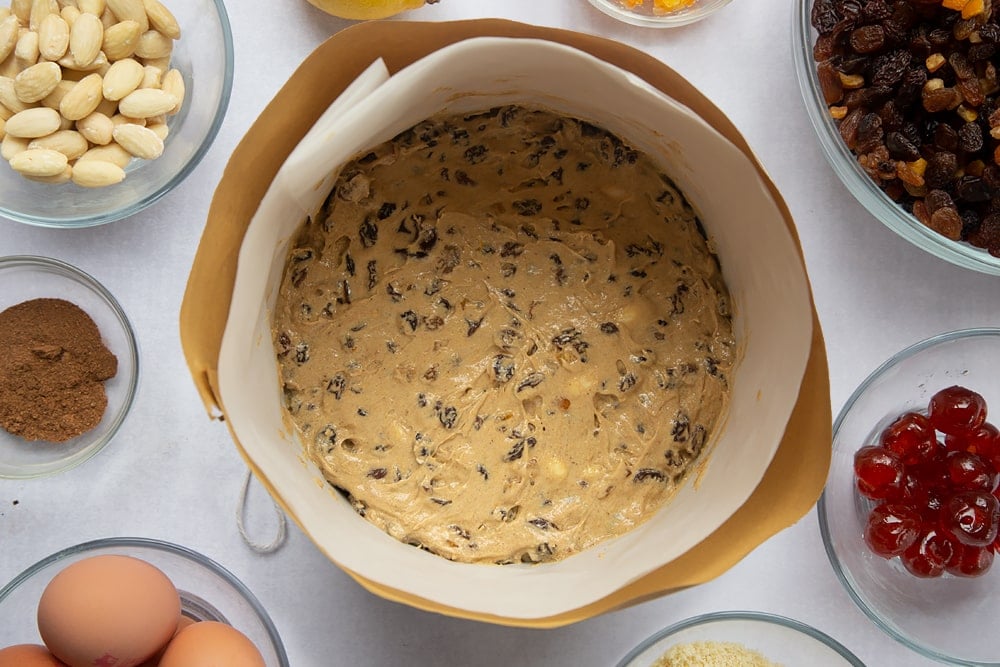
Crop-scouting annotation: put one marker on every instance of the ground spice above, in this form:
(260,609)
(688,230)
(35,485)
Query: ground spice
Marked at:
(53,364)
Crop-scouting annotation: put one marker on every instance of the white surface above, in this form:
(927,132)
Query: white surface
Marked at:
(173,474)
(765,277)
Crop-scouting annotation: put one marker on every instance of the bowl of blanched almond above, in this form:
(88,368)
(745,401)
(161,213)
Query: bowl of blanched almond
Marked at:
(106,105)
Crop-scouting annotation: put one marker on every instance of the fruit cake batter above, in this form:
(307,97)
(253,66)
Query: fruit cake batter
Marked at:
(504,337)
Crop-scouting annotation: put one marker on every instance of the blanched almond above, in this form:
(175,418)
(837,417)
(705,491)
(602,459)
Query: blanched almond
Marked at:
(85,39)
(39,162)
(5,113)
(39,10)
(53,37)
(83,99)
(152,77)
(36,82)
(12,145)
(26,49)
(32,123)
(146,103)
(159,129)
(58,179)
(97,128)
(3,128)
(97,173)
(120,119)
(123,77)
(95,7)
(173,83)
(112,153)
(8,96)
(162,19)
(121,39)
(22,10)
(130,10)
(108,107)
(8,36)
(70,15)
(139,141)
(153,44)
(70,143)
(54,99)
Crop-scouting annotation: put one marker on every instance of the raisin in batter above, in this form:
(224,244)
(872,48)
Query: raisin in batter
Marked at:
(504,336)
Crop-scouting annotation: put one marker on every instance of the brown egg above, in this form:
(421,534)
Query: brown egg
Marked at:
(155,660)
(108,610)
(211,644)
(28,655)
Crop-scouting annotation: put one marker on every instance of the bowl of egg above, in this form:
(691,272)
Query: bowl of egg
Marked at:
(111,110)
(453,365)
(133,601)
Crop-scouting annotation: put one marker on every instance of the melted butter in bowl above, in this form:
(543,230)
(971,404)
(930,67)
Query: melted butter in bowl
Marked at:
(504,337)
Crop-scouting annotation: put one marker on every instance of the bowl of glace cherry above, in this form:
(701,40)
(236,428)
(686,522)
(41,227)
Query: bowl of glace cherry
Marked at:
(911,510)
(932,476)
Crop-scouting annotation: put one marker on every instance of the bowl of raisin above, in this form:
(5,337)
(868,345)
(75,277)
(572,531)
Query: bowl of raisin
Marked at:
(904,96)
(911,510)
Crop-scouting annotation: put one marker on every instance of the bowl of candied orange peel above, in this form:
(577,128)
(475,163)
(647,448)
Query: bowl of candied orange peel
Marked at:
(659,13)
(910,513)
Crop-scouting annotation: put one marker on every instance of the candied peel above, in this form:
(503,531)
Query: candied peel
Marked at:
(663,6)
(969,8)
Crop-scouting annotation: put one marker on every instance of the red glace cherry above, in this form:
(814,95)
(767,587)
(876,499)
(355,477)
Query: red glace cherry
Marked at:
(971,517)
(879,473)
(891,528)
(969,561)
(911,437)
(928,555)
(970,472)
(983,441)
(957,410)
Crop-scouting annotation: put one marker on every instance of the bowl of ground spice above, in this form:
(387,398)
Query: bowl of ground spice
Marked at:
(752,639)
(905,100)
(69,366)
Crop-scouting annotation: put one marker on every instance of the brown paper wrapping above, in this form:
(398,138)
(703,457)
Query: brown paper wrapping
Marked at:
(798,471)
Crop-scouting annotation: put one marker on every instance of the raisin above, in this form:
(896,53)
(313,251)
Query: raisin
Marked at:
(941,168)
(870,133)
(867,39)
(901,148)
(947,222)
(945,137)
(888,69)
(972,189)
(970,137)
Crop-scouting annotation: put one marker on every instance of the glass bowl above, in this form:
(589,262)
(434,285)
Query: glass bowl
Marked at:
(781,640)
(845,163)
(23,278)
(204,56)
(208,592)
(908,608)
(644,15)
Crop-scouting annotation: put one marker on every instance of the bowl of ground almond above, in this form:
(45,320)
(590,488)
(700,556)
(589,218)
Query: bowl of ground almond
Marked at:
(509,344)
(904,99)
(746,638)
(105,107)
(69,366)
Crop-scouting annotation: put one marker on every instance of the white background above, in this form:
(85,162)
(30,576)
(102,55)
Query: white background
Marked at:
(173,474)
